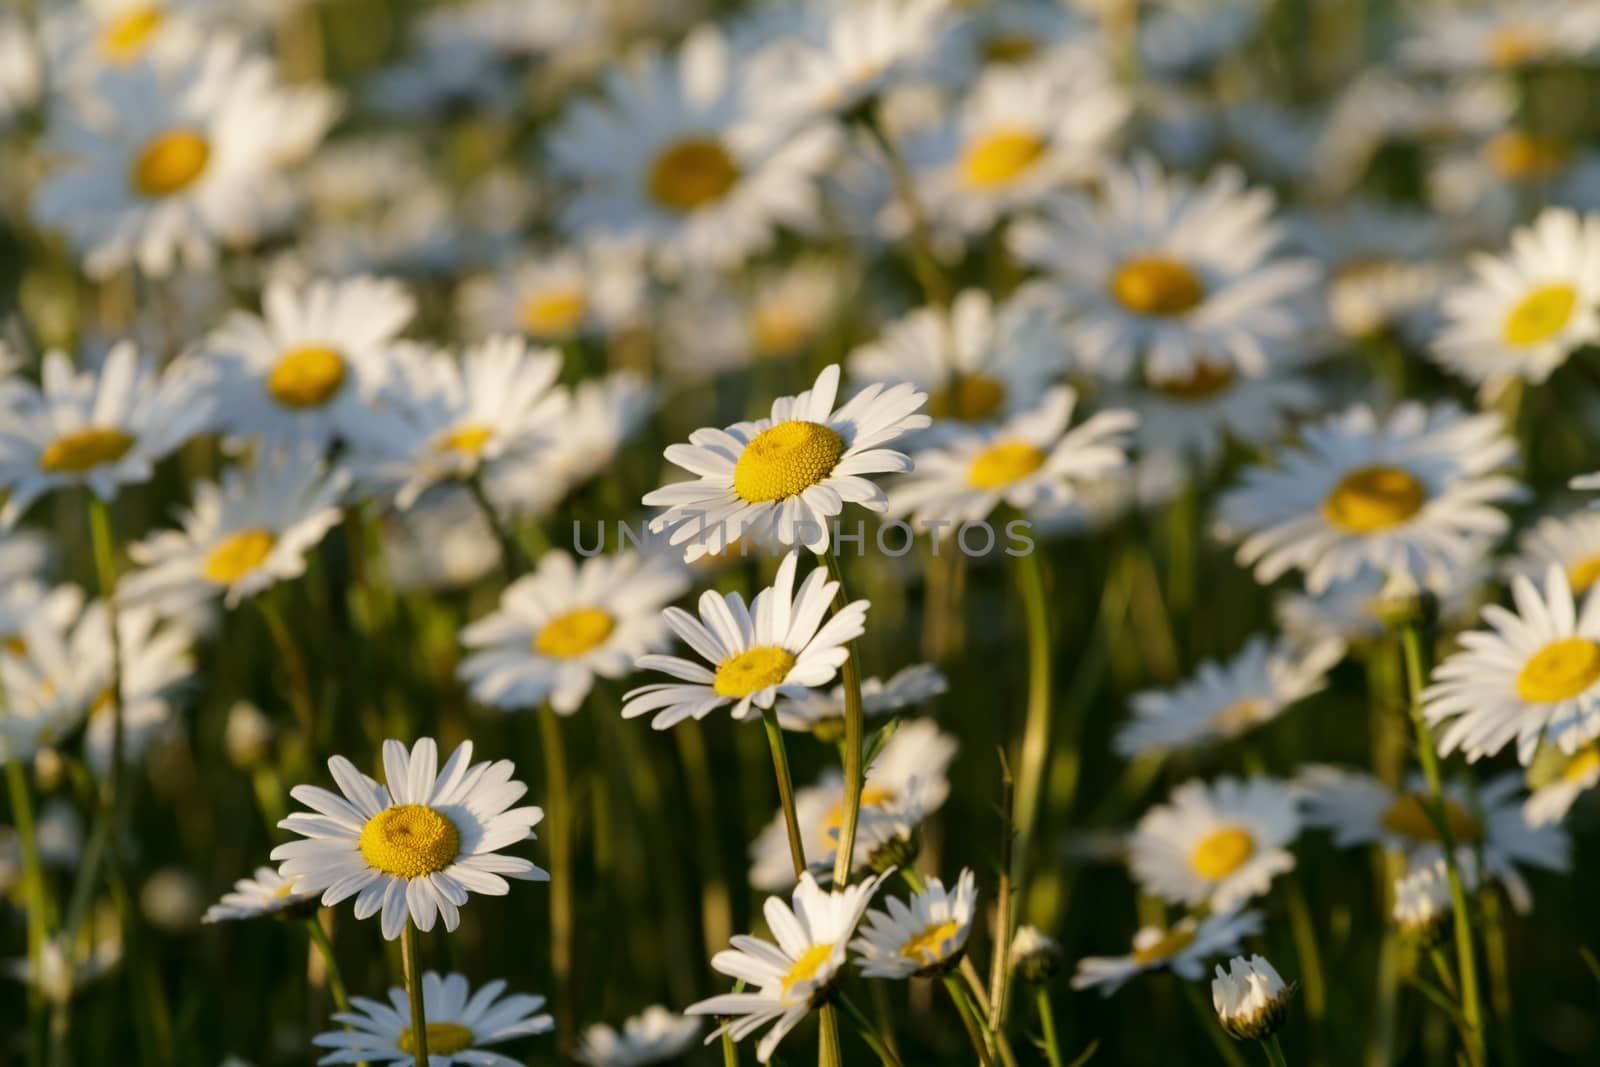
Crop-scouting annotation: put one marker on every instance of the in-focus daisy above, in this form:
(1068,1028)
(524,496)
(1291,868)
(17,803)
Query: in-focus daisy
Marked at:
(1250,998)
(793,975)
(1183,948)
(556,297)
(655,1035)
(265,893)
(415,848)
(823,714)
(564,624)
(1219,844)
(1411,493)
(1558,786)
(1221,701)
(239,537)
(1170,274)
(460,1024)
(1521,316)
(1571,542)
(786,477)
(924,937)
(101,430)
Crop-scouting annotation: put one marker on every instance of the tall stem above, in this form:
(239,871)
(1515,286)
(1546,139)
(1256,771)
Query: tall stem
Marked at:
(780,770)
(106,575)
(1036,728)
(561,900)
(324,946)
(33,879)
(301,698)
(1047,1022)
(419,1014)
(854,731)
(1000,962)
(920,243)
(969,1018)
(1274,1051)
(878,1043)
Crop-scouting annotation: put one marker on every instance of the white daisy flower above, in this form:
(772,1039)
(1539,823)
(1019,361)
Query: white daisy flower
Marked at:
(1422,894)
(1217,844)
(1030,461)
(1182,948)
(823,714)
(1411,493)
(1250,998)
(100,430)
(302,370)
(551,298)
(655,1035)
(1353,609)
(460,1024)
(1221,701)
(1554,796)
(1487,188)
(442,542)
(786,477)
(1502,36)
(1165,275)
(792,976)
(996,35)
(1570,541)
(21,69)
(923,937)
(265,893)
(564,624)
(416,848)
(53,669)
(157,659)
(239,537)
(1381,268)
(96,35)
(1034,954)
(1520,317)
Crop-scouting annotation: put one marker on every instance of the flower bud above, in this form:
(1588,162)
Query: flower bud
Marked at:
(1034,955)
(1250,998)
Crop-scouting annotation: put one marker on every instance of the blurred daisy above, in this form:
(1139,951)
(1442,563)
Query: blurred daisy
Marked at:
(1034,954)
(1561,786)
(786,477)
(1486,188)
(460,1024)
(1170,274)
(794,975)
(93,36)
(714,325)
(1381,269)
(920,938)
(1570,541)
(778,645)
(555,297)
(1183,948)
(443,542)
(1353,609)
(655,1035)
(156,659)
(1411,493)
(1505,35)
(53,669)
(1149,482)
(97,429)
(239,537)
(1422,894)
(823,714)
(21,69)
(1221,701)
(416,848)
(1000,35)
(564,624)
(1217,844)
(265,893)
(1186,37)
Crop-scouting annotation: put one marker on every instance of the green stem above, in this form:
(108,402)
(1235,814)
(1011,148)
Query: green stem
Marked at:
(1000,963)
(1274,1051)
(106,574)
(33,880)
(1494,942)
(780,770)
(419,1014)
(869,1033)
(1047,1022)
(301,698)
(828,1054)
(854,731)
(324,944)
(1306,948)
(920,239)
(561,900)
(969,1018)
(513,557)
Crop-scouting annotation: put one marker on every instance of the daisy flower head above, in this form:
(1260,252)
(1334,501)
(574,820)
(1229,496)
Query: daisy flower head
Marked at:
(460,1023)
(100,429)
(156,661)
(1559,783)
(1413,492)
(1570,541)
(1169,276)
(93,36)
(1183,948)
(1357,609)
(1422,894)
(823,714)
(264,893)
(923,937)
(566,623)
(1223,700)
(1034,954)
(1004,35)
(1521,316)
(785,477)
(1030,461)
(655,1035)
(1502,36)
(240,536)
(1250,998)
(414,848)
(54,667)
(1217,844)
(1383,269)
(555,297)
(302,370)
(790,977)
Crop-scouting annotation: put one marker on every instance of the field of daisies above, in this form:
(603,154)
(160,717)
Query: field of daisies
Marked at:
(1025,533)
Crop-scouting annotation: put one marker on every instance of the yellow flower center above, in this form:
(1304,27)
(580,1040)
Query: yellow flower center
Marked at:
(1240,715)
(82,450)
(15,644)
(574,633)
(1583,573)
(1582,765)
(1540,315)
(778,330)
(691,173)
(555,313)
(1156,285)
(1170,943)
(1408,816)
(999,158)
(1373,498)
(872,796)
(1003,463)
(928,945)
(283,890)
(752,670)
(1517,155)
(1512,46)
(1206,380)
(238,555)
(170,162)
(444,1039)
(125,37)
(1559,670)
(970,398)
(806,967)
(409,841)
(1008,48)
(785,460)
(1222,852)
(467,439)
(307,377)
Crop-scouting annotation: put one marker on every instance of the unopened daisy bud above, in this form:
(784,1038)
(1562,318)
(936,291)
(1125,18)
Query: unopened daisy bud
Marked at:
(1250,998)
(1034,955)
(248,737)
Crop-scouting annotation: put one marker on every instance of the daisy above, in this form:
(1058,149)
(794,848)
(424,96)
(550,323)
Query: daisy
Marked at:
(1503,36)
(443,542)
(554,297)
(53,669)
(1522,316)
(1250,998)
(156,660)
(1381,269)
(265,893)
(787,476)
(921,938)
(97,429)
(1183,948)
(564,624)
(1411,493)
(1487,188)
(1030,461)
(1570,778)
(1354,609)
(1000,35)
(714,325)
(1179,38)
(21,70)
(655,1035)
(823,715)
(301,371)
(1422,894)
(1034,954)
(417,847)
(239,537)
(1570,541)
(792,976)
(672,159)
(1217,844)
(90,37)
(1168,275)
(1222,701)
(460,1023)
